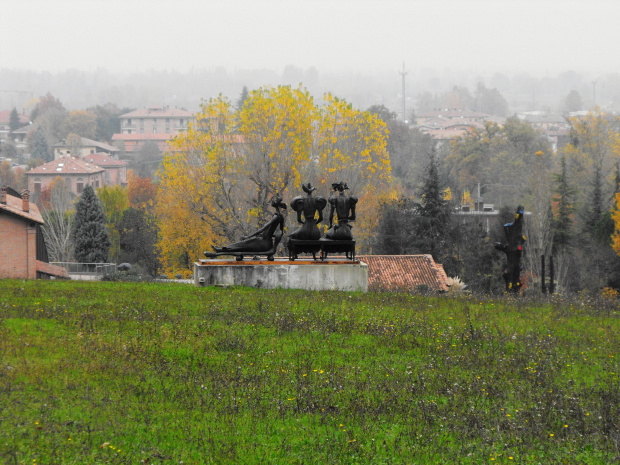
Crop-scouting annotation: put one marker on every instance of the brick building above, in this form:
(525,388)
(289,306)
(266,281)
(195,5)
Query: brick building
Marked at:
(115,170)
(76,174)
(155,124)
(22,249)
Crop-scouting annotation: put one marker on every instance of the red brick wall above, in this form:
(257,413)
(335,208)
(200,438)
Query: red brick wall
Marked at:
(18,248)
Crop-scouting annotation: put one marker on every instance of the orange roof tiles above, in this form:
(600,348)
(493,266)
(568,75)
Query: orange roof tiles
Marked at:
(52,270)
(65,165)
(5,117)
(404,272)
(14,205)
(104,160)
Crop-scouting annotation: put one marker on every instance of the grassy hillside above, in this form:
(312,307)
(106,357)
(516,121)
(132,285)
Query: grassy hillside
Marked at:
(149,373)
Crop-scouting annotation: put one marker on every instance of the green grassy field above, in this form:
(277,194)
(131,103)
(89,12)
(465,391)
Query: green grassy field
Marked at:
(163,373)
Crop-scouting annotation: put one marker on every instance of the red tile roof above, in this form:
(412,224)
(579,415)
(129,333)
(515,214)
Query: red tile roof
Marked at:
(65,165)
(445,134)
(14,205)
(52,270)
(5,117)
(404,272)
(447,123)
(104,160)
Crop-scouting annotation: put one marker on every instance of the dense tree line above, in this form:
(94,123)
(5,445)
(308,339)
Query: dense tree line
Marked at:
(235,156)
(570,197)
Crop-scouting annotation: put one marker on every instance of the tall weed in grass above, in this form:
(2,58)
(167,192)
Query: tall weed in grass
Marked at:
(141,372)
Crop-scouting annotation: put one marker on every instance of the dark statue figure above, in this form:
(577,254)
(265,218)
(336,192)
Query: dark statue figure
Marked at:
(513,250)
(262,242)
(344,207)
(308,206)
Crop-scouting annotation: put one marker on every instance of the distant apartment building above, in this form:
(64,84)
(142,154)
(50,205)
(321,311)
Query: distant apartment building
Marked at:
(156,124)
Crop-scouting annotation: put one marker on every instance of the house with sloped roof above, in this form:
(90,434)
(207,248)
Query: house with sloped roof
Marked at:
(23,254)
(405,273)
(115,170)
(5,127)
(75,172)
(86,147)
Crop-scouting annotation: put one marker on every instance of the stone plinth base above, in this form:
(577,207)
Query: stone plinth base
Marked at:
(333,275)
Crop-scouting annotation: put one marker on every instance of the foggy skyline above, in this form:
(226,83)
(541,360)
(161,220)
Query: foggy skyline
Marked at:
(484,36)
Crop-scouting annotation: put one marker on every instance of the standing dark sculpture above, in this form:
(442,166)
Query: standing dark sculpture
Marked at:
(344,207)
(308,206)
(262,242)
(513,250)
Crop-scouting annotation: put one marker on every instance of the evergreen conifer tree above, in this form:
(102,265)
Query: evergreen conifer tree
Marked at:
(90,235)
(14,120)
(39,148)
(564,196)
(433,213)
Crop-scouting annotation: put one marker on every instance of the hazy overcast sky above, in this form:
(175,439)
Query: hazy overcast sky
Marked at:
(538,37)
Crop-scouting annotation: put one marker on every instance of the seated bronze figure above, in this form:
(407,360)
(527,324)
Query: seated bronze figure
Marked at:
(262,242)
(344,208)
(308,206)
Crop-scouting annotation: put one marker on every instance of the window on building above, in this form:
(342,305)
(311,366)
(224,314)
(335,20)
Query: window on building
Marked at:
(97,184)
(37,185)
(79,185)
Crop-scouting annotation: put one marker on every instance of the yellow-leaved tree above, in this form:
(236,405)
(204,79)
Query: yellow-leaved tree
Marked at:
(591,155)
(350,146)
(220,174)
(114,201)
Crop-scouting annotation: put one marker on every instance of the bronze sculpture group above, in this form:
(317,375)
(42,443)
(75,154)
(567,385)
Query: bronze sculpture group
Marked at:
(308,237)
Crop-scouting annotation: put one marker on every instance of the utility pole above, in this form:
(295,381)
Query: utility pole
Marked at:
(403,73)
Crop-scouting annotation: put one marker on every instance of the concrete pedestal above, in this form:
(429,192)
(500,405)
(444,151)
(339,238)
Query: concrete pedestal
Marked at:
(332,275)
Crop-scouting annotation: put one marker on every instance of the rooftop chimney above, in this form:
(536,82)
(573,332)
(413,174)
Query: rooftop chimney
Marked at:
(3,196)
(26,200)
